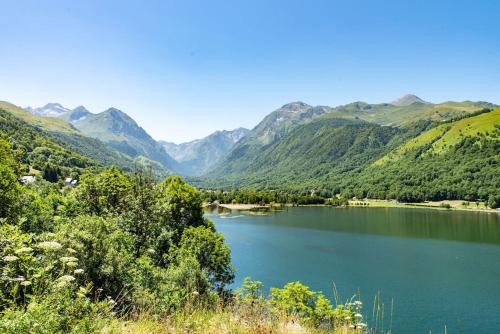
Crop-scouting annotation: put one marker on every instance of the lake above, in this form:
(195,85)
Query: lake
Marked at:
(439,268)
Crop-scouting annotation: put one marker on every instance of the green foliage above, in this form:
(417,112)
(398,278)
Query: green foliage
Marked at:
(180,205)
(105,252)
(104,193)
(210,251)
(9,187)
(62,311)
(494,201)
(313,308)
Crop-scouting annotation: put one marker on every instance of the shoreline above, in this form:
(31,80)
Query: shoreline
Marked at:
(454,205)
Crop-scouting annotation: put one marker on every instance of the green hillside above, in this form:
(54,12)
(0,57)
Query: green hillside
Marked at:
(279,123)
(16,121)
(37,153)
(441,138)
(45,123)
(455,160)
(389,114)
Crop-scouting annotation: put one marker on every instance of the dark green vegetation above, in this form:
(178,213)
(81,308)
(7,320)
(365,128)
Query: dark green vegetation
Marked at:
(423,160)
(263,197)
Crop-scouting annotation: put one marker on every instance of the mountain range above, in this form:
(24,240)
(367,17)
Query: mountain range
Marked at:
(301,147)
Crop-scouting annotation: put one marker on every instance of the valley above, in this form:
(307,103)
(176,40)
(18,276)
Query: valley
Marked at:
(354,150)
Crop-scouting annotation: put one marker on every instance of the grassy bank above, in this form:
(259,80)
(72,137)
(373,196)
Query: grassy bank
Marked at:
(439,205)
(375,203)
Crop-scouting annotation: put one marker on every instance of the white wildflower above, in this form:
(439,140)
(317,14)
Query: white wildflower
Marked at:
(66,259)
(358,315)
(49,245)
(66,278)
(78,271)
(10,258)
(24,250)
(25,283)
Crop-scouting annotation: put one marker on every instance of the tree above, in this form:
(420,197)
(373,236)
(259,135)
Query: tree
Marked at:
(211,252)
(494,201)
(106,192)
(180,206)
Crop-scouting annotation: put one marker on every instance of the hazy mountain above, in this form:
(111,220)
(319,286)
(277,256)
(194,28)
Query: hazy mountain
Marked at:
(407,100)
(113,127)
(76,114)
(49,110)
(198,156)
(270,130)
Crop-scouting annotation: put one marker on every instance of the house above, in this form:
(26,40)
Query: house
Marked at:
(70,182)
(27,179)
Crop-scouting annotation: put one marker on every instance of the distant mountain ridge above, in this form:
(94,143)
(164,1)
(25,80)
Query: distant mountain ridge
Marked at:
(407,100)
(198,156)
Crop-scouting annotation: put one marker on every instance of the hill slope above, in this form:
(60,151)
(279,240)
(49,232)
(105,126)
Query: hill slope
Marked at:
(113,127)
(67,135)
(362,159)
(282,121)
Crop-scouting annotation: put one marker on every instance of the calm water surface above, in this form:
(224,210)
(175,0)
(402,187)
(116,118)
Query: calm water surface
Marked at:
(439,267)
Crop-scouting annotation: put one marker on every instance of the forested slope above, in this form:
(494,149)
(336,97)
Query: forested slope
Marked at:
(422,161)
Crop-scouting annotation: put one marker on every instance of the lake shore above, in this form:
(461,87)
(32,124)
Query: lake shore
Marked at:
(243,207)
(437,205)
(377,203)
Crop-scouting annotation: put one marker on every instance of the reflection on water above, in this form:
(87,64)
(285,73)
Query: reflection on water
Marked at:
(440,267)
(402,222)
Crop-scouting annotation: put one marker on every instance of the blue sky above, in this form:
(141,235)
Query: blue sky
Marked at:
(183,69)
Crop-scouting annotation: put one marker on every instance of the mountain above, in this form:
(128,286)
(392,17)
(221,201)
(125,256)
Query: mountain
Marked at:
(49,110)
(113,127)
(276,126)
(421,151)
(71,138)
(270,130)
(121,132)
(198,156)
(459,159)
(76,114)
(407,100)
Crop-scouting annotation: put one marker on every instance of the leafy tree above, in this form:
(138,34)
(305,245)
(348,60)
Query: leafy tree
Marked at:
(180,206)
(105,252)
(210,251)
(494,201)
